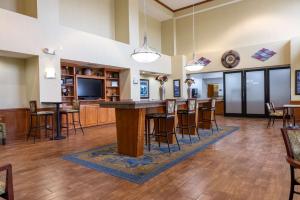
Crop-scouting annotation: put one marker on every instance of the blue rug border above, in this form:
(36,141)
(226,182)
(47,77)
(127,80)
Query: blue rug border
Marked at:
(133,178)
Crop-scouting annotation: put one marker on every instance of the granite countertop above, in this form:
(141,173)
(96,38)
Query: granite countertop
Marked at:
(129,104)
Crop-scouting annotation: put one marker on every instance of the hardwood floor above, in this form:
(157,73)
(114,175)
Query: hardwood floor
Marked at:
(248,164)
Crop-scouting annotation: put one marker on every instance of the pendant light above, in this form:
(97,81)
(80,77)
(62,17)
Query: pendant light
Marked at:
(145,54)
(194,65)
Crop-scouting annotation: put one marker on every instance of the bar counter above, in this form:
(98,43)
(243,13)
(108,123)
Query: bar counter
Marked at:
(130,121)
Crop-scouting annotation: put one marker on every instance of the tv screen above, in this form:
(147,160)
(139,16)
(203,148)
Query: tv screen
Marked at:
(89,89)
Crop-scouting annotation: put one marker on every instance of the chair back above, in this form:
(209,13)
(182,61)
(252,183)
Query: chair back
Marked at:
(33,107)
(171,106)
(213,103)
(76,105)
(269,108)
(192,105)
(291,139)
(272,106)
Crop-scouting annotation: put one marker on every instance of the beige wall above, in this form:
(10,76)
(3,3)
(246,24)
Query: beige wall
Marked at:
(246,23)
(12,83)
(122,21)
(153,31)
(93,16)
(32,79)
(25,7)
(19,82)
(168,36)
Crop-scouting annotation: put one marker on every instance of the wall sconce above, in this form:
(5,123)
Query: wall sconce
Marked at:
(49,51)
(50,73)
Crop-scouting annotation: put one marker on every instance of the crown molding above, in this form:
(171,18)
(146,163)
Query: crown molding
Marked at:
(183,8)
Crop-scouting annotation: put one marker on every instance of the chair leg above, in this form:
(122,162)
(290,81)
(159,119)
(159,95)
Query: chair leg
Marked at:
(52,126)
(215,120)
(158,121)
(292,187)
(181,125)
(269,122)
(176,138)
(189,129)
(273,121)
(67,123)
(167,134)
(46,124)
(73,121)
(80,123)
(30,128)
(148,135)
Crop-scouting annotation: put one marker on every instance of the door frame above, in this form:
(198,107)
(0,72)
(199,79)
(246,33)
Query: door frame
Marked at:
(244,90)
(224,96)
(266,89)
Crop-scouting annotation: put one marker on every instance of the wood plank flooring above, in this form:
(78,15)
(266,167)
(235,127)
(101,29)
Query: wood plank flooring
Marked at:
(248,164)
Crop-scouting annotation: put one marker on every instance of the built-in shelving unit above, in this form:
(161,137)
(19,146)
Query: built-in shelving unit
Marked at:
(71,72)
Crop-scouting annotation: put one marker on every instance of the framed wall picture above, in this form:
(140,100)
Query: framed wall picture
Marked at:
(297,82)
(144,89)
(176,88)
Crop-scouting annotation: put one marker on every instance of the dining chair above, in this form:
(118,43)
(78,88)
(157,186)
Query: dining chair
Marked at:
(292,144)
(273,114)
(6,182)
(36,116)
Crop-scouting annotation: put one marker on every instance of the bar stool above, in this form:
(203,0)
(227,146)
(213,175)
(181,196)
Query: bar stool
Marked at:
(37,115)
(74,110)
(192,107)
(170,114)
(148,132)
(212,110)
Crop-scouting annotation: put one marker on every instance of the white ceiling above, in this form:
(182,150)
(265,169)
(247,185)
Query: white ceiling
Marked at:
(176,4)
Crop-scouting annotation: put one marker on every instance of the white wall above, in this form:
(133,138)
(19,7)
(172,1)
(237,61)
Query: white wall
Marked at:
(93,16)
(153,87)
(28,35)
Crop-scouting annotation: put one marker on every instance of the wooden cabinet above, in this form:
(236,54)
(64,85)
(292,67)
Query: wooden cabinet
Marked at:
(102,116)
(91,115)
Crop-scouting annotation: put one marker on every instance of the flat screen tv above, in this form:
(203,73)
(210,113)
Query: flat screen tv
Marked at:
(89,89)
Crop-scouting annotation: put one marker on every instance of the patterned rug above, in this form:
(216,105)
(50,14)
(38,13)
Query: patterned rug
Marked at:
(139,170)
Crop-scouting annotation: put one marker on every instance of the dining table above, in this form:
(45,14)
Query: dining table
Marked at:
(288,113)
(58,120)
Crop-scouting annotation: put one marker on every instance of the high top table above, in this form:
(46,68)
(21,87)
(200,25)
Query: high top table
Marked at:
(130,122)
(58,132)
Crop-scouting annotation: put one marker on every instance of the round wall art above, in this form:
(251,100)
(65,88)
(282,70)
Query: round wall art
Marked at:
(230,59)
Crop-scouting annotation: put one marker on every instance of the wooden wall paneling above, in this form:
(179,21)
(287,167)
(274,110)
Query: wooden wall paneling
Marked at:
(17,121)
(102,115)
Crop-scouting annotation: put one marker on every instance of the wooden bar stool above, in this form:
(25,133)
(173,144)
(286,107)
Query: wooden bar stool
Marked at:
(212,114)
(186,115)
(148,132)
(74,110)
(170,114)
(34,114)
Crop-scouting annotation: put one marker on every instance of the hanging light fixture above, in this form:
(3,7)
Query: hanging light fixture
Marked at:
(145,54)
(194,65)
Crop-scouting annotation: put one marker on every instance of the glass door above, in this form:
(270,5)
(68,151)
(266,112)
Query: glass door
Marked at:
(280,86)
(233,93)
(255,97)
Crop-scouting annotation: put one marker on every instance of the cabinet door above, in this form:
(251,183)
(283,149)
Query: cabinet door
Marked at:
(111,115)
(102,116)
(91,115)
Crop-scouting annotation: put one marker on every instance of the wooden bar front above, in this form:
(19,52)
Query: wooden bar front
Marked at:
(130,122)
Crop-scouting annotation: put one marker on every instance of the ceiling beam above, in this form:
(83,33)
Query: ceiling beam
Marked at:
(186,7)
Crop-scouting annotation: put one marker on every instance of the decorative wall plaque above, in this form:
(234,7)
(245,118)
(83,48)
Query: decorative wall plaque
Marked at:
(230,59)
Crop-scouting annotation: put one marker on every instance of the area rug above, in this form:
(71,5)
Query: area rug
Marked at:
(139,170)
